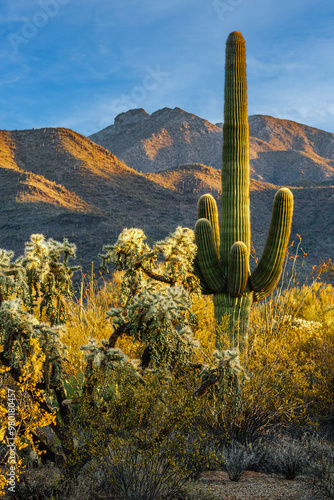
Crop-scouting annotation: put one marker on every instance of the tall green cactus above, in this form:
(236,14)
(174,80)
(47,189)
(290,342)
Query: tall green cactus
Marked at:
(222,261)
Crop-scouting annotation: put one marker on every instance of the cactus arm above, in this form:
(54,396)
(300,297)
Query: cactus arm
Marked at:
(235,204)
(238,271)
(269,269)
(205,289)
(207,209)
(208,256)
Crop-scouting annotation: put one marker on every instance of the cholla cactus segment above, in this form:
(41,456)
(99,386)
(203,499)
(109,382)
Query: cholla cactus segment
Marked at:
(117,315)
(12,307)
(161,318)
(39,254)
(37,247)
(164,306)
(179,249)
(229,360)
(102,355)
(65,248)
(231,373)
(36,260)
(12,276)
(129,250)
(5,258)
(138,259)
(227,371)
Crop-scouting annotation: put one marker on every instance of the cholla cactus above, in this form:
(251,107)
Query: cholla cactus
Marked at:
(12,277)
(43,273)
(228,371)
(102,356)
(131,253)
(17,329)
(222,262)
(48,275)
(156,295)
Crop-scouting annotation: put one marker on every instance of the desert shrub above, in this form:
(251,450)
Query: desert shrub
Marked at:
(38,484)
(317,305)
(246,422)
(237,458)
(241,405)
(146,442)
(321,465)
(288,457)
(293,354)
(132,474)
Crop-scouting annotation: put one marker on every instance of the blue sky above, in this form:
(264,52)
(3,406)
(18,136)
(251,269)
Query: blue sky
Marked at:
(79,63)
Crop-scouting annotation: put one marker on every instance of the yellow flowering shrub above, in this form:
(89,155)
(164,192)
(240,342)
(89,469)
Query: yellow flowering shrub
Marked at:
(22,418)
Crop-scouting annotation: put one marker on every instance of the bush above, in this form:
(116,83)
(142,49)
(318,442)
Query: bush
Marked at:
(292,356)
(132,474)
(321,466)
(288,457)
(237,459)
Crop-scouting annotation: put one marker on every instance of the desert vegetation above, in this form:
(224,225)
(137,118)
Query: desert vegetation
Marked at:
(120,391)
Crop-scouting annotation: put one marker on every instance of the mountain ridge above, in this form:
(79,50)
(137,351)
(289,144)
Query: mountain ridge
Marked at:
(62,184)
(170,137)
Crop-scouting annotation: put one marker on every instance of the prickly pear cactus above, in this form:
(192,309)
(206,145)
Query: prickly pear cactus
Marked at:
(222,261)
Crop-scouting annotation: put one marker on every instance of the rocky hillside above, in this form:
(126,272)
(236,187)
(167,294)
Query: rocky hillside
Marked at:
(282,152)
(59,183)
(288,153)
(162,140)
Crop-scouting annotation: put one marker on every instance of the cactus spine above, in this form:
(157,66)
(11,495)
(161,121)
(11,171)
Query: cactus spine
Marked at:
(222,262)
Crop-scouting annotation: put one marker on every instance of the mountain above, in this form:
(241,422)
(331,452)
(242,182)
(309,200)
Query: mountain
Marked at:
(288,153)
(162,140)
(282,152)
(60,183)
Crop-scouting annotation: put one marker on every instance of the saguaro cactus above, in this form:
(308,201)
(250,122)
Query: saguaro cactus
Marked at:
(222,261)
